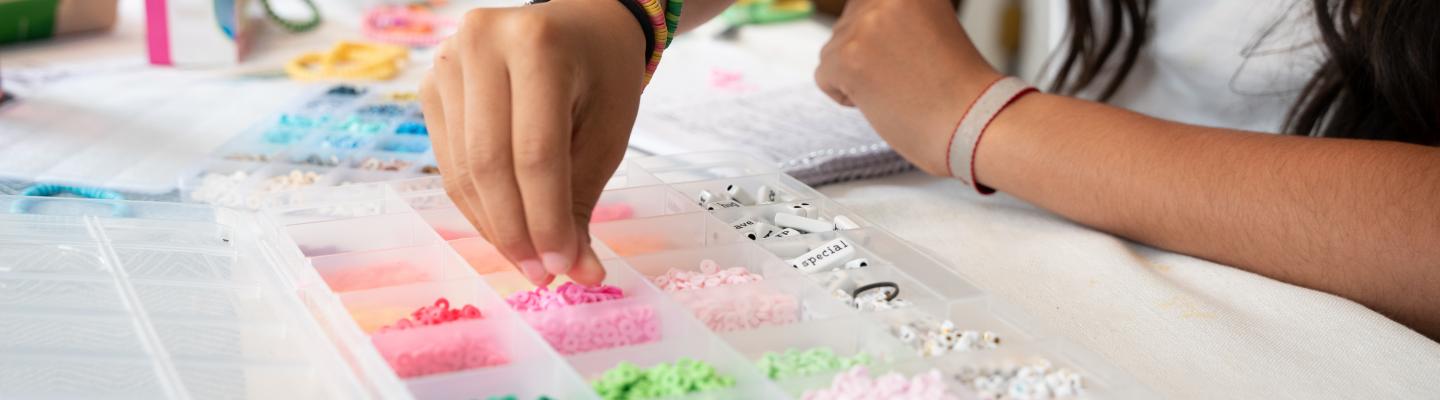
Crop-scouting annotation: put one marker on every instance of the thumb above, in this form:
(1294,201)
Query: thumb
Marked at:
(587,270)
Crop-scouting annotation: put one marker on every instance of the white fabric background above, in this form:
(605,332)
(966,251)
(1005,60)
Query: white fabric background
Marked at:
(1186,327)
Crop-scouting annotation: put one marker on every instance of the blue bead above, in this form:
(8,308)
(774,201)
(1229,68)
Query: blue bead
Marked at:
(381,109)
(21,206)
(345,90)
(412,128)
(406,147)
(283,136)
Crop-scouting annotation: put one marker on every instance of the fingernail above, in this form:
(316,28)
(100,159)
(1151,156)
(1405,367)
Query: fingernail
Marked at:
(556,263)
(534,271)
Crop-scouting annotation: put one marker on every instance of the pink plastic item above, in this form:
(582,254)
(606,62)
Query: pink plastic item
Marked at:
(579,331)
(436,314)
(733,310)
(709,276)
(412,26)
(373,276)
(589,329)
(856,384)
(427,350)
(611,212)
(565,295)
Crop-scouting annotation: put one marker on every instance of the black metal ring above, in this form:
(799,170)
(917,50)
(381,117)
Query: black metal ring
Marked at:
(893,294)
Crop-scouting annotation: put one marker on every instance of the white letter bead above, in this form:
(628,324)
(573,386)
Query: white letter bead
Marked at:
(721,205)
(842,223)
(806,210)
(739,194)
(761,230)
(765,195)
(808,225)
(706,197)
(824,258)
(857,263)
(744,224)
(787,232)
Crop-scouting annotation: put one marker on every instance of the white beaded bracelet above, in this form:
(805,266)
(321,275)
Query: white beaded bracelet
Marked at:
(961,153)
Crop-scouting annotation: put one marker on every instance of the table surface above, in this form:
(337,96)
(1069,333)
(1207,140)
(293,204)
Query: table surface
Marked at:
(1186,327)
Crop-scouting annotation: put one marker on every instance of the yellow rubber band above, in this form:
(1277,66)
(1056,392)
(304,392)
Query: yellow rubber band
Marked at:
(349,61)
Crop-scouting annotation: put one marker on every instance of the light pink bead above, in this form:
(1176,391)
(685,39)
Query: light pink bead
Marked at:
(857,384)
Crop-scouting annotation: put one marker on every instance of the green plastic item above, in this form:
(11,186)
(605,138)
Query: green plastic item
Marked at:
(755,12)
(23,20)
(628,382)
(795,363)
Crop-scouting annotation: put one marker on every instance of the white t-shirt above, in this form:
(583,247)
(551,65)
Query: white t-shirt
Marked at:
(1237,64)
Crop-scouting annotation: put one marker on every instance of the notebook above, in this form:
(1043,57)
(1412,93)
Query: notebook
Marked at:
(796,126)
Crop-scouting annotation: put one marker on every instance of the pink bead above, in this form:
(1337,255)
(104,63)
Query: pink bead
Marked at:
(613,212)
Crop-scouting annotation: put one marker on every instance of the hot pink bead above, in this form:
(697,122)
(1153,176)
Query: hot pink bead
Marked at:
(436,314)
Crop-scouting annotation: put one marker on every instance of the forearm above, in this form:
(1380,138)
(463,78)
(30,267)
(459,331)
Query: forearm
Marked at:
(1360,219)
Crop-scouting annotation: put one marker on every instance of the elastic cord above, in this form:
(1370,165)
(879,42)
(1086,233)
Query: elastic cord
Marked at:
(645,26)
(294,26)
(878,285)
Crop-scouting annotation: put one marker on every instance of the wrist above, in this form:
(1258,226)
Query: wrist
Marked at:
(983,109)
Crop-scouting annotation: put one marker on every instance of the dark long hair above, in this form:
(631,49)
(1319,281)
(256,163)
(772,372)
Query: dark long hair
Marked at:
(1380,79)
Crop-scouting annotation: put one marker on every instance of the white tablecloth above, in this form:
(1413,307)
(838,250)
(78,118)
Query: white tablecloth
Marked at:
(1187,328)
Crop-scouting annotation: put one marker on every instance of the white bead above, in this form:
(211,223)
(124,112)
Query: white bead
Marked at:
(802,223)
(905,333)
(825,257)
(857,263)
(739,194)
(707,197)
(744,225)
(843,223)
(765,195)
(806,210)
(787,232)
(760,231)
(722,204)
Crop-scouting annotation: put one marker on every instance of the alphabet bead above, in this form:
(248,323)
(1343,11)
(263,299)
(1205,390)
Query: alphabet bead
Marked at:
(806,210)
(930,338)
(857,263)
(824,258)
(843,223)
(706,197)
(783,233)
(762,230)
(765,195)
(740,195)
(803,224)
(1037,379)
(722,204)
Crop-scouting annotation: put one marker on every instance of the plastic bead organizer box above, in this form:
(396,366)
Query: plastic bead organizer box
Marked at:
(383,290)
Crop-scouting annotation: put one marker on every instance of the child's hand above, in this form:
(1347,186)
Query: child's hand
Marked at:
(529,111)
(910,68)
